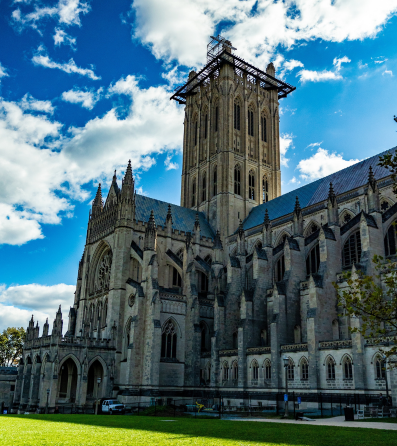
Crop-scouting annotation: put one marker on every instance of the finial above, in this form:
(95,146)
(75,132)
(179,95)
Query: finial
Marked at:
(169,215)
(331,192)
(371,178)
(197,221)
(217,241)
(297,205)
(266,221)
(128,178)
(240,229)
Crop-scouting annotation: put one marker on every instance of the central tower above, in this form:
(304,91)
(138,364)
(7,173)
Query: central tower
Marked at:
(231,144)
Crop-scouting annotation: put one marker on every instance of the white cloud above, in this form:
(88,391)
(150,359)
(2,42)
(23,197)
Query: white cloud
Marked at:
(338,62)
(65,12)
(361,65)
(28,102)
(290,65)
(3,71)
(61,37)
(174,76)
(321,164)
(87,99)
(42,59)
(318,76)
(44,169)
(180,29)
(314,144)
(389,72)
(169,165)
(380,60)
(285,145)
(294,180)
(18,303)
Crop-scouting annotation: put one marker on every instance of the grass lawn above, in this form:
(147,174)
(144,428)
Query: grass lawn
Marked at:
(135,430)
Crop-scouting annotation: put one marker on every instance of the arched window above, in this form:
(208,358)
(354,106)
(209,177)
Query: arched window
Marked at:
(290,370)
(304,369)
(250,122)
(311,229)
(206,127)
(136,271)
(202,282)
(390,240)
(176,278)
(235,340)
(251,185)
(263,128)
(313,260)
(352,250)
(347,368)
(279,269)
(237,180)
(236,115)
(215,181)
(105,313)
(216,117)
(254,370)
(265,189)
(268,369)
(194,193)
(235,371)
(330,368)
(380,368)
(297,334)
(204,336)
(168,340)
(204,188)
(225,371)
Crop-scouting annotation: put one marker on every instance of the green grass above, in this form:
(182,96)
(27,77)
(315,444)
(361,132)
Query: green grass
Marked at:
(135,430)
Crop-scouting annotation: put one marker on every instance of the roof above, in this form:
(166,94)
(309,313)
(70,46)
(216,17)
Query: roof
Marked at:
(182,218)
(343,181)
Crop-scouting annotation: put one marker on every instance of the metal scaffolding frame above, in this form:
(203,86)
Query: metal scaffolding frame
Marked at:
(211,70)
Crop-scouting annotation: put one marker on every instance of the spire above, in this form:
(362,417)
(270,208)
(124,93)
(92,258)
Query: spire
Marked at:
(332,205)
(298,219)
(128,178)
(46,328)
(114,177)
(169,215)
(240,231)
(188,239)
(59,310)
(331,194)
(150,234)
(217,241)
(197,222)
(371,179)
(97,204)
(297,209)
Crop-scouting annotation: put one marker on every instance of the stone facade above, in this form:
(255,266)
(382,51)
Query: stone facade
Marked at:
(210,296)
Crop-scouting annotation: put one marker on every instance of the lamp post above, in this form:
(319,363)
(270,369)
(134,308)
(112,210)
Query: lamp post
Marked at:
(48,394)
(96,406)
(286,362)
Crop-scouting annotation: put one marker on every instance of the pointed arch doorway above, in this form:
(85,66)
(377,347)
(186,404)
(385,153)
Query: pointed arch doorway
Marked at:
(95,381)
(68,383)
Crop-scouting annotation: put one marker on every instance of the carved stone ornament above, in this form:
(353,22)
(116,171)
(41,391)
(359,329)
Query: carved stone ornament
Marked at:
(131,300)
(103,273)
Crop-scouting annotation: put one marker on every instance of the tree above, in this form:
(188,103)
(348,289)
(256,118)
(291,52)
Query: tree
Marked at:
(374,298)
(11,344)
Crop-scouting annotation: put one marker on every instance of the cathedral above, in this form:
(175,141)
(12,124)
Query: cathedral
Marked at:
(230,293)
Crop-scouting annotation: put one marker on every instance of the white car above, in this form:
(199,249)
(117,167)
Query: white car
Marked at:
(112,407)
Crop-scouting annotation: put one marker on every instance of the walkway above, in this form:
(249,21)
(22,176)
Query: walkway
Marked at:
(335,421)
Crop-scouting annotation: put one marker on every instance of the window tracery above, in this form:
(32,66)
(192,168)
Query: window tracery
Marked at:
(265,189)
(237,180)
(168,340)
(352,250)
(251,185)
(103,272)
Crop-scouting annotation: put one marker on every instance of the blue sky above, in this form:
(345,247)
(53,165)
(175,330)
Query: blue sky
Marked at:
(85,86)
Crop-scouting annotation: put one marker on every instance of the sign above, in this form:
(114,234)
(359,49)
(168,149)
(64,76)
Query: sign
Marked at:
(299,400)
(285,397)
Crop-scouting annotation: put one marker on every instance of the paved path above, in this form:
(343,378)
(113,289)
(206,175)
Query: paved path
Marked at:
(335,421)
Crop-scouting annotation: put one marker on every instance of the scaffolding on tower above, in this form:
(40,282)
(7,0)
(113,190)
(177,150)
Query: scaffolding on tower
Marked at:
(220,52)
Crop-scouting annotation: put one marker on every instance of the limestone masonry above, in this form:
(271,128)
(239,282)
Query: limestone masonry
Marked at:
(210,296)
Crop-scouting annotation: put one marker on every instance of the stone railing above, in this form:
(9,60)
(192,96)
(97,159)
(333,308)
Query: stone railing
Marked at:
(381,341)
(172,296)
(294,348)
(233,352)
(331,345)
(258,350)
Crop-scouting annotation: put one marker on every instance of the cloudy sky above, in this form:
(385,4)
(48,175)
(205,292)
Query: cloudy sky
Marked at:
(85,86)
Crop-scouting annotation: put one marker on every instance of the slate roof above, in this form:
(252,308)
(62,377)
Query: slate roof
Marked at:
(183,218)
(344,180)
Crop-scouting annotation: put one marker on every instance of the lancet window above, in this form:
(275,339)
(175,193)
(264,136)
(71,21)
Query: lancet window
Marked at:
(313,260)
(304,369)
(390,240)
(204,188)
(216,118)
(268,369)
(255,370)
(380,368)
(265,190)
(206,127)
(194,193)
(225,371)
(250,122)
(195,132)
(251,185)
(215,181)
(176,278)
(347,368)
(352,250)
(235,371)
(290,370)
(279,269)
(168,340)
(263,129)
(237,180)
(330,368)
(237,125)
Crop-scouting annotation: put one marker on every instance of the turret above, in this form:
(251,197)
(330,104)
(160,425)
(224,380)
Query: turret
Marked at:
(297,220)
(128,195)
(46,328)
(218,248)
(267,231)
(332,206)
(58,323)
(373,193)
(197,230)
(150,234)
(30,330)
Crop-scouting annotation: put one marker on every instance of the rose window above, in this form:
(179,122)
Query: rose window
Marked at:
(104,272)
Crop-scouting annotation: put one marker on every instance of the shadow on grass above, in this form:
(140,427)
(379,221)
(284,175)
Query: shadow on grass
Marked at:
(238,431)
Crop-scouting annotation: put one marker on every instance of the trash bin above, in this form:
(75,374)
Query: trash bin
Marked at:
(349,414)
(298,415)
